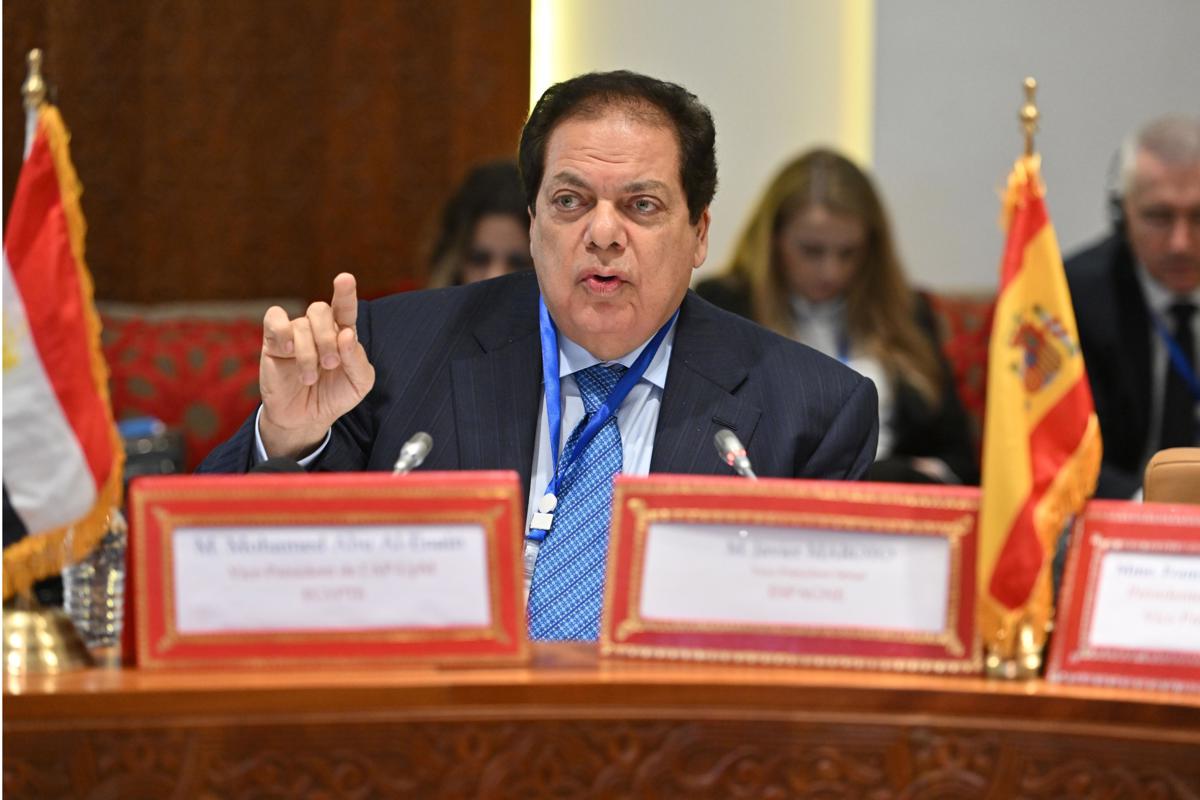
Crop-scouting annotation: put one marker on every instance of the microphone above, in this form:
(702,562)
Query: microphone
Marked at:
(413,453)
(733,453)
(278,464)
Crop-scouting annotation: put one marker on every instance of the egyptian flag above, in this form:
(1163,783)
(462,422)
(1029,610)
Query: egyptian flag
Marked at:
(1041,443)
(62,455)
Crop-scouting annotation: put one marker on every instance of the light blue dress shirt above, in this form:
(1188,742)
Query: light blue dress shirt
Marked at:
(637,417)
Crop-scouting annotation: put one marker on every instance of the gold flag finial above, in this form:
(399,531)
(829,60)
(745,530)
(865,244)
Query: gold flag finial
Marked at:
(33,90)
(1029,114)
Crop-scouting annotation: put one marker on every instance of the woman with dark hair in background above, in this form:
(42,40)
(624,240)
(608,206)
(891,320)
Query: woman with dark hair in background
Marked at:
(816,263)
(485,228)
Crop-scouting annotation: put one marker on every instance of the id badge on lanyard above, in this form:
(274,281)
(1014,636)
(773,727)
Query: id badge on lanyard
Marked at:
(543,517)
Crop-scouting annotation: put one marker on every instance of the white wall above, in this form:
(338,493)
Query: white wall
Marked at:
(948,88)
(926,90)
(778,75)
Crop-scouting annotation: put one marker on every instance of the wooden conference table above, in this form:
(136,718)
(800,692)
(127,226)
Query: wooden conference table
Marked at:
(572,725)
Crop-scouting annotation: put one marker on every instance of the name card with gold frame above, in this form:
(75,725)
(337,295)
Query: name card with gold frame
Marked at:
(352,568)
(814,573)
(1129,609)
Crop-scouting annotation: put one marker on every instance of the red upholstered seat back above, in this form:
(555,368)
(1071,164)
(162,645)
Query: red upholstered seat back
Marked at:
(966,323)
(198,375)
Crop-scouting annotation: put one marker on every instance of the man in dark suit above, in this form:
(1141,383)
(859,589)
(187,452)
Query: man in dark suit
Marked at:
(619,170)
(1135,296)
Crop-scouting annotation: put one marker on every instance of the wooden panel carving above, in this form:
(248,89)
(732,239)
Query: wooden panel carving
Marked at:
(240,150)
(573,725)
(537,758)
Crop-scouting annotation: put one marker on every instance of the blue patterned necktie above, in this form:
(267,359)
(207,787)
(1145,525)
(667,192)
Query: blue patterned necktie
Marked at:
(568,580)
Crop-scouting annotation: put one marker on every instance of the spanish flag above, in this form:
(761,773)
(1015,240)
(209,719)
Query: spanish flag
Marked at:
(1041,445)
(62,454)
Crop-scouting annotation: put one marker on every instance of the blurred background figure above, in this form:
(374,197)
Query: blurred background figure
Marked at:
(1136,296)
(816,262)
(485,228)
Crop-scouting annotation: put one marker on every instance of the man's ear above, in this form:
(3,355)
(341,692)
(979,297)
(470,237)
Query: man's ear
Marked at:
(701,239)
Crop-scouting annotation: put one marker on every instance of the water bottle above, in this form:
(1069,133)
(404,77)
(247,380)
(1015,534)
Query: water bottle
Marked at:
(94,588)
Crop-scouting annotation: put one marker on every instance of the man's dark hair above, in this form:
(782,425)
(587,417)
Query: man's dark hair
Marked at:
(651,99)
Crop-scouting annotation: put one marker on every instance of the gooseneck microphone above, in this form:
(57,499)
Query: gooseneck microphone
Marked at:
(733,453)
(413,453)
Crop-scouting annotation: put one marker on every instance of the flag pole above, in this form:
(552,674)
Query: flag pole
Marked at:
(33,93)
(33,90)
(38,639)
(1041,445)
(1029,114)
(1020,657)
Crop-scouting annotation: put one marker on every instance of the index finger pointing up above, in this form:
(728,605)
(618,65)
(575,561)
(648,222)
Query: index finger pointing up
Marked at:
(345,300)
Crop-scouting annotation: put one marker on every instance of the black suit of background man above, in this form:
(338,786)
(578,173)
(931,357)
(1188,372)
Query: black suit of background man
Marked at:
(1155,247)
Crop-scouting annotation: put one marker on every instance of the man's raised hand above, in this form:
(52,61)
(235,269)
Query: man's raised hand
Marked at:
(312,371)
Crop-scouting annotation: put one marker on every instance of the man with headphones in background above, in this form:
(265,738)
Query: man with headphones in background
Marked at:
(1136,296)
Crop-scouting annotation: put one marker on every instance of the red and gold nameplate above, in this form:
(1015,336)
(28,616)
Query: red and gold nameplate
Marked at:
(817,573)
(1129,609)
(348,568)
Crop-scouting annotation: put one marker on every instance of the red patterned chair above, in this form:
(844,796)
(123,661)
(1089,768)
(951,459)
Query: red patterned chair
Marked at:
(966,324)
(193,368)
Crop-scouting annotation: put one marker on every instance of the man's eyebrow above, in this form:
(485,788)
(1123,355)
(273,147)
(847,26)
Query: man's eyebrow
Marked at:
(569,178)
(645,186)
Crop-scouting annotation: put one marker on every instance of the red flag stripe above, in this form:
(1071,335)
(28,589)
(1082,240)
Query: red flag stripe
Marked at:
(1028,220)
(38,244)
(1051,444)
(1019,562)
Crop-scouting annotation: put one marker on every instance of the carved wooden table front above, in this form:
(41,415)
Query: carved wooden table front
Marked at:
(571,726)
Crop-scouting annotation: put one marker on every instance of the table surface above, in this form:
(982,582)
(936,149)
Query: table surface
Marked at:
(572,674)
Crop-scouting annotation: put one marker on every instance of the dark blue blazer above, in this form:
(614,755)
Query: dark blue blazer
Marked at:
(1115,335)
(464,364)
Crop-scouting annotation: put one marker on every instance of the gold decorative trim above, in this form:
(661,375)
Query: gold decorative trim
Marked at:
(487,520)
(808,490)
(952,531)
(1103,546)
(760,658)
(169,524)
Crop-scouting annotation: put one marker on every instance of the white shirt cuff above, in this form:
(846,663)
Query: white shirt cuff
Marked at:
(260,450)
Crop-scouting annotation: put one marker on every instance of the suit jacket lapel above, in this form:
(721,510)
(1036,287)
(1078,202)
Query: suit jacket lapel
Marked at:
(497,390)
(699,397)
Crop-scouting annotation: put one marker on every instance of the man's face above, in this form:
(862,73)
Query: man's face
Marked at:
(1162,212)
(611,241)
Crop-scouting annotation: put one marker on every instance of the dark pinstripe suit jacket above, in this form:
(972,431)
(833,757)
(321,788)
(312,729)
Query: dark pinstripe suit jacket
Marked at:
(464,364)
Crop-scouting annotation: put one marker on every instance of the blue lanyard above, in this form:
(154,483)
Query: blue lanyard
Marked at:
(1178,359)
(843,347)
(553,388)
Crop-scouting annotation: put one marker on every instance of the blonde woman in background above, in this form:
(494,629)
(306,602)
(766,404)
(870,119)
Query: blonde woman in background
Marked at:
(817,263)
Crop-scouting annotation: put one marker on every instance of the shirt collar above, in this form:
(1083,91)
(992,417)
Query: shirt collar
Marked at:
(572,357)
(1160,299)
(830,311)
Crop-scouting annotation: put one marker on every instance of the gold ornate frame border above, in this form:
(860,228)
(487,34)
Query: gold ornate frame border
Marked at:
(151,500)
(953,530)
(1101,547)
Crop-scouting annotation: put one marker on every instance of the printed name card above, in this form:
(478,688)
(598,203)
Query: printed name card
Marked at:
(1129,613)
(280,578)
(339,568)
(859,575)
